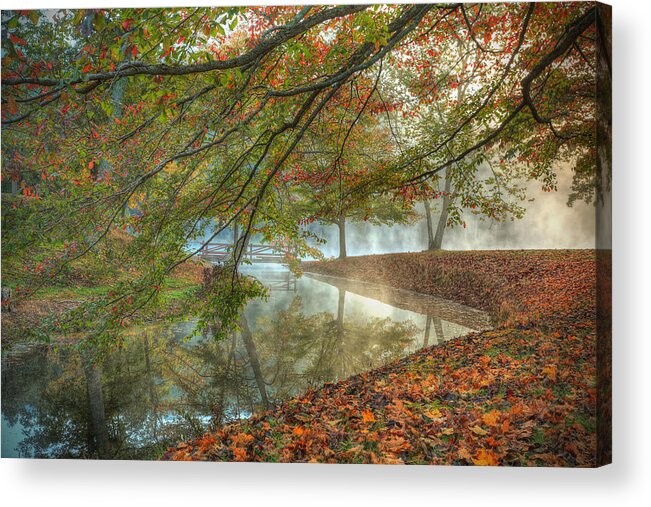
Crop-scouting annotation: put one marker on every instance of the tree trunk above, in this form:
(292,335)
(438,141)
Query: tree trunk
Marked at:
(98,427)
(438,330)
(430,229)
(341,336)
(247,338)
(236,234)
(342,237)
(428,327)
(443,219)
(340,308)
(151,385)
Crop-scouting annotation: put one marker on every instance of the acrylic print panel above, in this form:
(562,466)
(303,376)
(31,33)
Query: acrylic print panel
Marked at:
(336,234)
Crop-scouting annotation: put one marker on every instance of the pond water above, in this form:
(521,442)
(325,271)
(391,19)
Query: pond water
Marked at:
(162,388)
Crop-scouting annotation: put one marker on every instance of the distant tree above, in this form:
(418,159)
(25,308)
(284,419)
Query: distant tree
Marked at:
(451,102)
(335,157)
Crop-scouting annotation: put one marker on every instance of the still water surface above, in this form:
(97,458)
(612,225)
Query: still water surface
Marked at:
(162,388)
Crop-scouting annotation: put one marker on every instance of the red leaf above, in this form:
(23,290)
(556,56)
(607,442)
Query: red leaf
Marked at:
(17,40)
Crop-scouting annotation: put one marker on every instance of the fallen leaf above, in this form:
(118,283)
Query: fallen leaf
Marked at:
(551,371)
(465,454)
(367,416)
(478,430)
(239,454)
(491,417)
(435,413)
(486,457)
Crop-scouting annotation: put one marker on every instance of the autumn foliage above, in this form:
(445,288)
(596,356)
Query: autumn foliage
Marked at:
(522,394)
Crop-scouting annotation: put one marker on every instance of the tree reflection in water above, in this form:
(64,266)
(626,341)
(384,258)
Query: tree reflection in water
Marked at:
(163,387)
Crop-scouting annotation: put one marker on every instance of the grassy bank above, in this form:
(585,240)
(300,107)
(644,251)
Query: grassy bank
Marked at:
(523,393)
(57,298)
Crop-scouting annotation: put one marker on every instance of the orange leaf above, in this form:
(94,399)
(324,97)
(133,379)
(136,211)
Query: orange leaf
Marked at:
(486,457)
(367,416)
(239,454)
(242,439)
(492,442)
(551,371)
(491,417)
(91,164)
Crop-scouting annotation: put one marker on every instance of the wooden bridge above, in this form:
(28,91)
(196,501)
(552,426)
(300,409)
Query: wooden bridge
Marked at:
(220,252)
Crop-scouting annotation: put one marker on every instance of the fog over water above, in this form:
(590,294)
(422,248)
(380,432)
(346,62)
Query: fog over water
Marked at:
(548,223)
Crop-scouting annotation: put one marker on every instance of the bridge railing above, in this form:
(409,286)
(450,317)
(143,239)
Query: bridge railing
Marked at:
(252,252)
